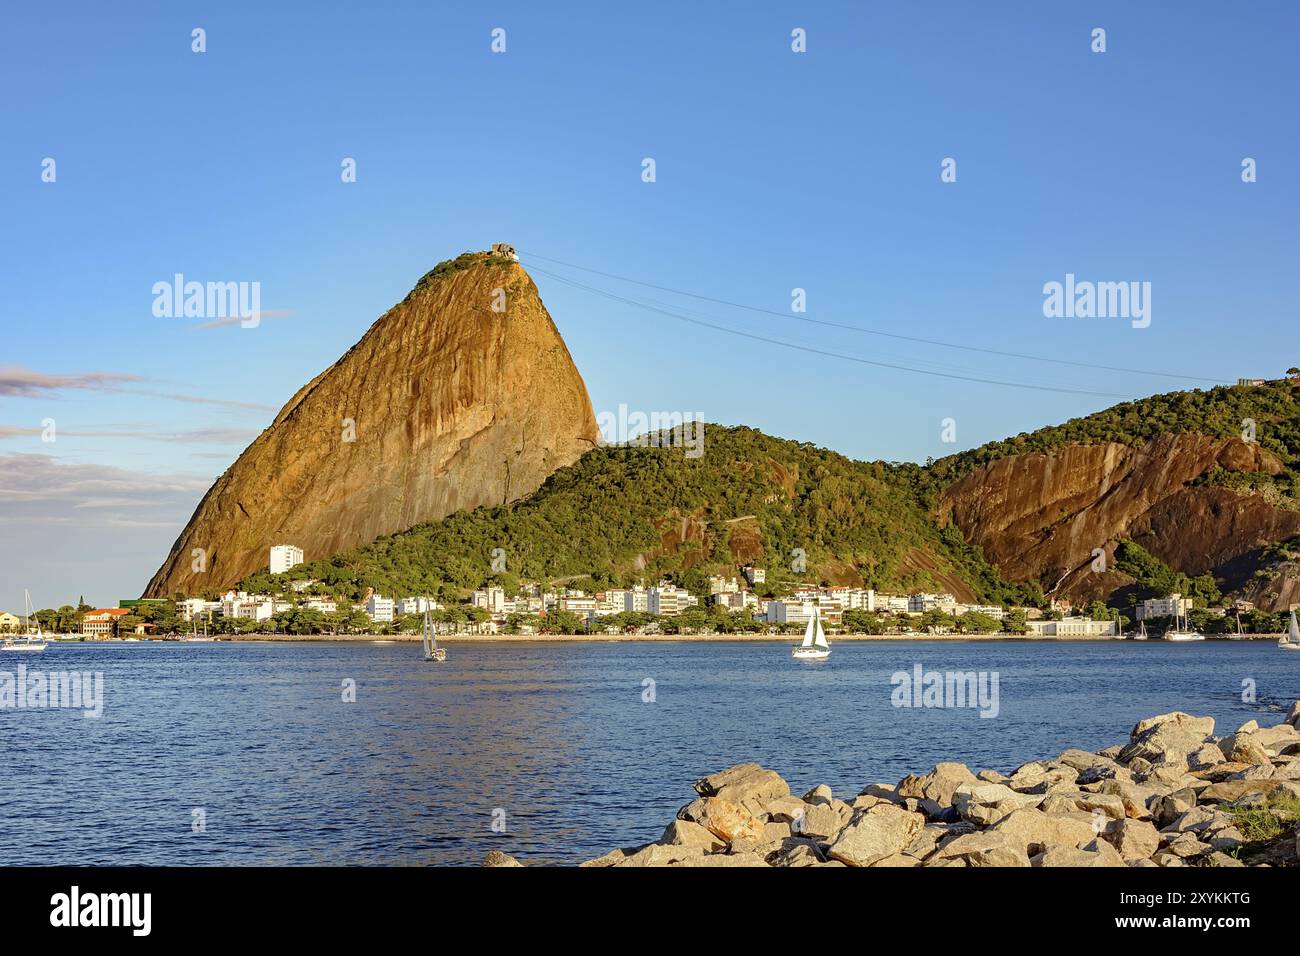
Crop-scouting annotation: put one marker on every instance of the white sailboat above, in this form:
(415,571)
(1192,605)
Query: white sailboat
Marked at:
(27,641)
(432,652)
(814,646)
(1182,631)
(1291,640)
(1239,636)
(1141,635)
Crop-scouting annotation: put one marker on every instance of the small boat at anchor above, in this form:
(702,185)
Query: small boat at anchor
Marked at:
(1290,641)
(27,641)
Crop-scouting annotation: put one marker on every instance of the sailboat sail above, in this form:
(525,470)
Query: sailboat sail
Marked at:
(810,632)
(1293,632)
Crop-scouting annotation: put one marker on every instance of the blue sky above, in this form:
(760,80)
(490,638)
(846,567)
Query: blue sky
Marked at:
(775,170)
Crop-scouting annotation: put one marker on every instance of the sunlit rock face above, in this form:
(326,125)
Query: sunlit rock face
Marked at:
(461,395)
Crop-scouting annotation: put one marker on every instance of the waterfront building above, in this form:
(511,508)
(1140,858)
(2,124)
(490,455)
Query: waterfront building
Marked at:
(196,609)
(735,600)
(283,557)
(379,608)
(324,605)
(1175,605)
(920,603)
(102,622)
(492,599)
(10,623)
(636,599)
(997,613)
(416,605)
(667,600)
(1073,627)
(892,603)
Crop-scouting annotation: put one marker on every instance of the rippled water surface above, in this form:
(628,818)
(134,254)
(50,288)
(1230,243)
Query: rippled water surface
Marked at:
(556,736)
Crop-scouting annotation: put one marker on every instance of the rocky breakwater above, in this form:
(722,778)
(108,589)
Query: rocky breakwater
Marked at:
(1172,795)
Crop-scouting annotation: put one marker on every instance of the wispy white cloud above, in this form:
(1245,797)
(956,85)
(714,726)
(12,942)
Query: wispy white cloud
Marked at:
(17,381)
(196,436)
(256,318)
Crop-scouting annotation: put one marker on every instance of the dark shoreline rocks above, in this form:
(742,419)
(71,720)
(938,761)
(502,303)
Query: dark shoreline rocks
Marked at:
(1173,795)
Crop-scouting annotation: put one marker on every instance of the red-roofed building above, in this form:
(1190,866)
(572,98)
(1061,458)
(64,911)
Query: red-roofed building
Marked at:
(102,622)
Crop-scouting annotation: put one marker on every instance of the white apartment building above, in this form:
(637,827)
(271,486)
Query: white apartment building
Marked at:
(578,605)
(755,576)
(790,612)
(996,613)
(324,605)
(283,557)
(379,609)
(636,599)
(416,605)
(721,585)
(735,600)
(1174,605)
(1073,627)
(920,603)
(197,609)
(492,599)
(667,600)
(892,604)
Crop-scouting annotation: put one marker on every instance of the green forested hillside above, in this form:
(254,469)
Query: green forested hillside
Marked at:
(625,514)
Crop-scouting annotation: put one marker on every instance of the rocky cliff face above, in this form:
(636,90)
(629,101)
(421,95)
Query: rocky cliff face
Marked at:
(1040,516)
(444,404)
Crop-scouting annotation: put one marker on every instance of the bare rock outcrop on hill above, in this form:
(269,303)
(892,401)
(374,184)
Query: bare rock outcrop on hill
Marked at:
(1040,516)
(445,404)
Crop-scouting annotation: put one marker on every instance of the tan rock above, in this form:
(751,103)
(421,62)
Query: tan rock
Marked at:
(819,820)
(657,854)
(746,784)
(729,821)
(782,809)
(498,858)
(875,834)
(455,406)
(1033,831)
(687,833)
(1134,839)
(722,859)
(1231,790)
(898,859)
(986,803)
(1098,853)
(988,848)
(1244,748)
